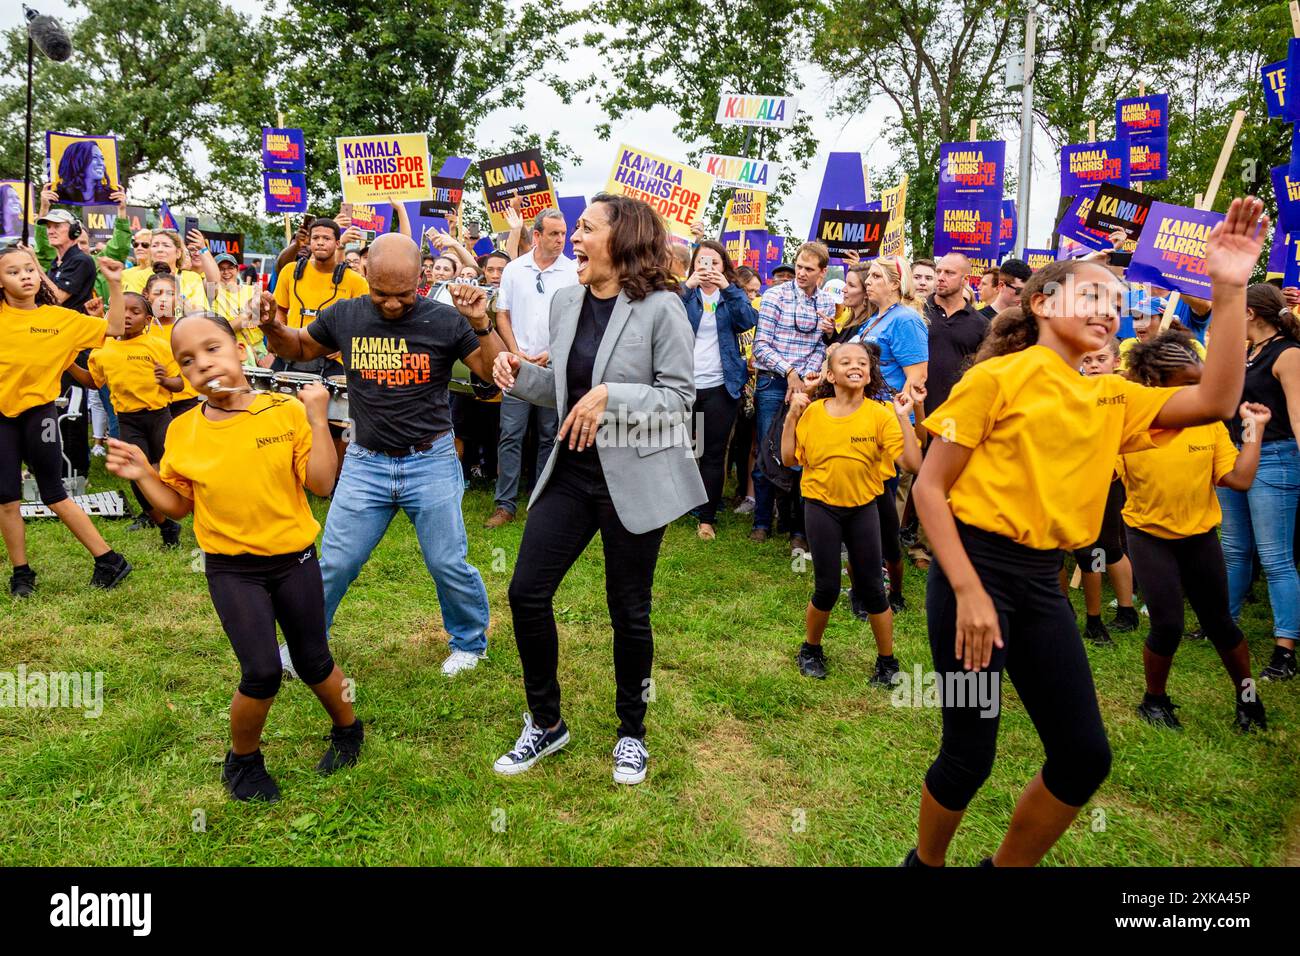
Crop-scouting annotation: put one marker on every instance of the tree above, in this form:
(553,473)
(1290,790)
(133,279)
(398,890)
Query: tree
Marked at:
(161,76)
(683,54)
(939,62)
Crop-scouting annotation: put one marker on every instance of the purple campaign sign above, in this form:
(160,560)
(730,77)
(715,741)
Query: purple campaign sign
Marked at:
(1273,76)
(1007,230)
(283,149)
(970,171)
(1291,104)
(843,186)
(1290,262)
(1142,116)
(1085,165)
(1286,191)
(772,257)
(1148,157)
(455,167)
(1294,171)
(971,228)
(284,191)
(1073,226)
(572,207)
(1170,252)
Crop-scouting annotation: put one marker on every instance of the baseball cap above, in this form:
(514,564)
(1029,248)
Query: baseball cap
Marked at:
(783,267)
(227,257)
(56,215)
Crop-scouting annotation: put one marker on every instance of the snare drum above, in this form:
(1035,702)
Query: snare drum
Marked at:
(261,379)
(339,413)
(291,383)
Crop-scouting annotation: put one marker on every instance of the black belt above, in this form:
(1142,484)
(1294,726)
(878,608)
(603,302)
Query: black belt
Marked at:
(408,449)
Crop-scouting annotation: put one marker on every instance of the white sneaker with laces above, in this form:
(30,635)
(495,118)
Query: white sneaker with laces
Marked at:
(459,661)
(533,744)
(630,759)
(286,664)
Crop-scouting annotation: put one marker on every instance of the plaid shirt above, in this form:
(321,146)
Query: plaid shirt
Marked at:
(787,335)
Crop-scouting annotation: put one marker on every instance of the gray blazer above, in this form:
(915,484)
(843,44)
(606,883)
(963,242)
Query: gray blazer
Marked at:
(646,360)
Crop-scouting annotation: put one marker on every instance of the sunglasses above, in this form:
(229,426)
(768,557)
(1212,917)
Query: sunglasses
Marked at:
(540,288)
(140,245)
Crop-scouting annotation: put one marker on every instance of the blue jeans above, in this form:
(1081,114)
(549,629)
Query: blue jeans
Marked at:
(1263,519)
(769,399)
(107,402)
(515,415)
(427,486)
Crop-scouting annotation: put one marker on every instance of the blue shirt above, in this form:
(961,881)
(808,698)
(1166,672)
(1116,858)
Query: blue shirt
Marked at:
(903,339)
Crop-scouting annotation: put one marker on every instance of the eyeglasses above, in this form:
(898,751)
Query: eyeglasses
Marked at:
(540,288)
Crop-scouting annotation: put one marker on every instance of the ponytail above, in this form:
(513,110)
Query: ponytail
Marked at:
(1269,305)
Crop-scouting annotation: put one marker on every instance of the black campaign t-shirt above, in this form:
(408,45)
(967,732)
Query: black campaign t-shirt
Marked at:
(74,273)
(592,320)
(397,371)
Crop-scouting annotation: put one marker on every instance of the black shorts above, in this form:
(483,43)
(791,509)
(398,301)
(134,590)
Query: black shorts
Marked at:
(146,428)
(32,437)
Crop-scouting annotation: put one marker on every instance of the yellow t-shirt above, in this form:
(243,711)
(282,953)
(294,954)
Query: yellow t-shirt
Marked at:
(1171,488)
(1126,346)
(135,278)
(126,365)
(315,291)
(847,460)
(36,345)
(1044,440)
(245,475)
(230,305)
(164,332)
(193,293)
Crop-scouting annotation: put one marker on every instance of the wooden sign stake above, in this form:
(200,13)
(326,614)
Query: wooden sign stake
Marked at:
(288,230)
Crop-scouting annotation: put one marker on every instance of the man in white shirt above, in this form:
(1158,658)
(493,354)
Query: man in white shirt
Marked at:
(523,322)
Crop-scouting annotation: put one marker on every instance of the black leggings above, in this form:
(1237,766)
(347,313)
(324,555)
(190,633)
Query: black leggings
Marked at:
(891,549)
(1043,655)
(251,593)
(147,429)
(829,526)
(179,408)
(32,437)
(1191,567)
(1109,546)
(718,409)
(574,505)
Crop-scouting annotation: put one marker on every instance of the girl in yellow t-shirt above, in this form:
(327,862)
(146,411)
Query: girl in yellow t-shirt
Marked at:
(38,340)
(166,303)
(1026,449)
(848,444)
(1172,515)
(239,463)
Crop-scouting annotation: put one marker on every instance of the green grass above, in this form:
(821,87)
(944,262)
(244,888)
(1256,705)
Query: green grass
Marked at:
(750,763)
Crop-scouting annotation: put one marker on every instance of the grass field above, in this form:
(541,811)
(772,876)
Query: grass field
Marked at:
(750,763)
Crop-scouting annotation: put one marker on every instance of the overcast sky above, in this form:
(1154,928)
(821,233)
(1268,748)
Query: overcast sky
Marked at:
(653,131)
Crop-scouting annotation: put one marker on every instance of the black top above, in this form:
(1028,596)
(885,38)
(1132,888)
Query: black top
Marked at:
(988,312)
(592,321)
(953,340)
(1262,387)
(397,371)
(74,273)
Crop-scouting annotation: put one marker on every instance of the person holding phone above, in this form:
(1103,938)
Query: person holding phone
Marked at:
(719,312)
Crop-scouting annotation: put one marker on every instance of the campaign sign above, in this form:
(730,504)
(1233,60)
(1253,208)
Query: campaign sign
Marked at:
(1148,158)
(283,149)
(740,173)
(82,169)
(446,197)
(675,191)
(1007,231)
(384,167)
(969,171)
(100,221)
(284,191)
(1286,191)
(1084,165)
(1273,77)
(230,243)
(1037,258)
(1117,208)
(755,243)
(1171,250)
(514,174)
(738,109)
(971,228)
(844,230)
(1074,223)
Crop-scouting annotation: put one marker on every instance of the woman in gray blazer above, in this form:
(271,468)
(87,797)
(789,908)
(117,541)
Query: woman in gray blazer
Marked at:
(621,376)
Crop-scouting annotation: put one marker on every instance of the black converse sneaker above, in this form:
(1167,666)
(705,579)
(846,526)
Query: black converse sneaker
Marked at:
(1126,620)
(885,673)
(1281,667)
(811,661)
(110,570)
(22,582)
(1096,632)
(1159,711)
(630,758)
(1250,717)
(344,748)
(533,744)
(171,533)
(246,778)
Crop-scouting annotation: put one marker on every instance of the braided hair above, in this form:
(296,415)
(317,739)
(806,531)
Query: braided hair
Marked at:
(874,387)
(1153,363)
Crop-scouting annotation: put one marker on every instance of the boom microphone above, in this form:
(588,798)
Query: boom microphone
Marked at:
(48,35)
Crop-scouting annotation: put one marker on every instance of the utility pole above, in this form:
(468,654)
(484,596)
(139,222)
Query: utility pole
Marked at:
(1026,134)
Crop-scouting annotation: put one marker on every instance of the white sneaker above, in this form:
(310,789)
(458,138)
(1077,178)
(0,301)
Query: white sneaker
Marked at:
(459,661)
(286,664)
(745,507)
(630,758)
(99,451)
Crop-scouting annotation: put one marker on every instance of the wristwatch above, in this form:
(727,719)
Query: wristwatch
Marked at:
(483,333)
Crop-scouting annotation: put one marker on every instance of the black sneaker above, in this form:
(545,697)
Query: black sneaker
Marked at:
(22,582)
(1195,634)
(811,661)
(141,522)
(171,533)
(908,535)
(630,759)
(859,606)
(1250,717)
(1126,620)
(885,673)
(913,862)
(110,570)
(897,603)
(1096,632)
(533,744)
(1159,711)
(1281,667)
(246,778)
(344,748)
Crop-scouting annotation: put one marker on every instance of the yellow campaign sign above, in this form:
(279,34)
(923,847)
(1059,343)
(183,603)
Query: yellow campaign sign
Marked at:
(894,202)
(529,206)
(376,169)
(746,210)
(675,191)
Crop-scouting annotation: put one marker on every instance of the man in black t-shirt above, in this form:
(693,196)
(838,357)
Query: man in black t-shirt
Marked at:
(71,276)
(398,349)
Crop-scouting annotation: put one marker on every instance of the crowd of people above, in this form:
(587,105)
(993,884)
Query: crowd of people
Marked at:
(989,431)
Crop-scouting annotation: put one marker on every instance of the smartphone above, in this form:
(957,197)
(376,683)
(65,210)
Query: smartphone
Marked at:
(345,209)
(473,230)
(367,236)
(1121,259)
(705,262)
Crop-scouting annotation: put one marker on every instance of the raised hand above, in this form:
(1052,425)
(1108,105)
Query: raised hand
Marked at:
(1236,243)
(127,461)
(110,269)
(471,302)
(316,398)
(94,306)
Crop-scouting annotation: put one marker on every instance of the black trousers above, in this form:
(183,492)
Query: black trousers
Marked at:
(1184,567)
(891,549)
(1043,655)
(829,526)
(32,437)
(575,506)
(148,430)
(717,409)
(76,431)
(742,441)
(184,405)
(1110,545)
(251,593)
